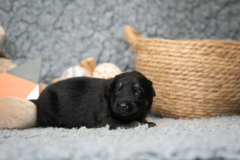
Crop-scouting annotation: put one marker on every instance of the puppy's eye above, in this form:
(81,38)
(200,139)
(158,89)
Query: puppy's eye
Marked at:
(136,94)
(117,92)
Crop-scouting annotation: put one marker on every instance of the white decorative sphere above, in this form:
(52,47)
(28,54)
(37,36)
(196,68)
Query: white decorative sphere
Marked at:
(76,71)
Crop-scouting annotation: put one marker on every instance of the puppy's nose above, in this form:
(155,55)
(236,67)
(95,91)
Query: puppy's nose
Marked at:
(124,105)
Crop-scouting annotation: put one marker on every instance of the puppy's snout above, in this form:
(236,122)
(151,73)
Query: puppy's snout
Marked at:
(124,105)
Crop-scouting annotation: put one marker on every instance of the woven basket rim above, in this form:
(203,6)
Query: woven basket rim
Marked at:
(134,37)
(205,42)
(208,43)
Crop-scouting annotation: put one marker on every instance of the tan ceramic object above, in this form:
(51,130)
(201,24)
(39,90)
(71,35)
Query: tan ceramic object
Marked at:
(89,64)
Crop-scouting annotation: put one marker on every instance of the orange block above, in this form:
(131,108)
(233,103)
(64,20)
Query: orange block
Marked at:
(11,85)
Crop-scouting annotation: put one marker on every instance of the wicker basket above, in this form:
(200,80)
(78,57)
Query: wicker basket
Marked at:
(192,78)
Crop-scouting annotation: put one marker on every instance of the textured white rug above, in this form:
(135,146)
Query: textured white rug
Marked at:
(210,138)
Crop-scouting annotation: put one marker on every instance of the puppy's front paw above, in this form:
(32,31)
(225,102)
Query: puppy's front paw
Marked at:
(151,124)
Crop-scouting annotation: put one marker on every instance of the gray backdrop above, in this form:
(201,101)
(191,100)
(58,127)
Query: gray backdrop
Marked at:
(64,32)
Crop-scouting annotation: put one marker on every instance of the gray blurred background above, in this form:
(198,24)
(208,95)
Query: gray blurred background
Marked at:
(64,32)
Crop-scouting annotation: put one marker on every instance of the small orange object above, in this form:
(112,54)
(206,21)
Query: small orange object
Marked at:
(11,85)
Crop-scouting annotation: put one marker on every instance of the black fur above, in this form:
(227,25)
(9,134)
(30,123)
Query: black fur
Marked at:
(92,102)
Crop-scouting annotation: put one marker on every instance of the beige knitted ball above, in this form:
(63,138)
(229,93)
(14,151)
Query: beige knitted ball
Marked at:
(106,70)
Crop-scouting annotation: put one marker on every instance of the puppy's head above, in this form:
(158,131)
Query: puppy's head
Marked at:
(131,95)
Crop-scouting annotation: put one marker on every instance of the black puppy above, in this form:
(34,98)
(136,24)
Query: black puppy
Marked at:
(92,102)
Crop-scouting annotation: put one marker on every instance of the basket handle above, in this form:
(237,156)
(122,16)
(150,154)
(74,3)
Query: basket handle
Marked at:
(132,35)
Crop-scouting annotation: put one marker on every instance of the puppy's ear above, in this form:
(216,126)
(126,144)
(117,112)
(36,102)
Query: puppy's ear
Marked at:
(108,87)
(153,91)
